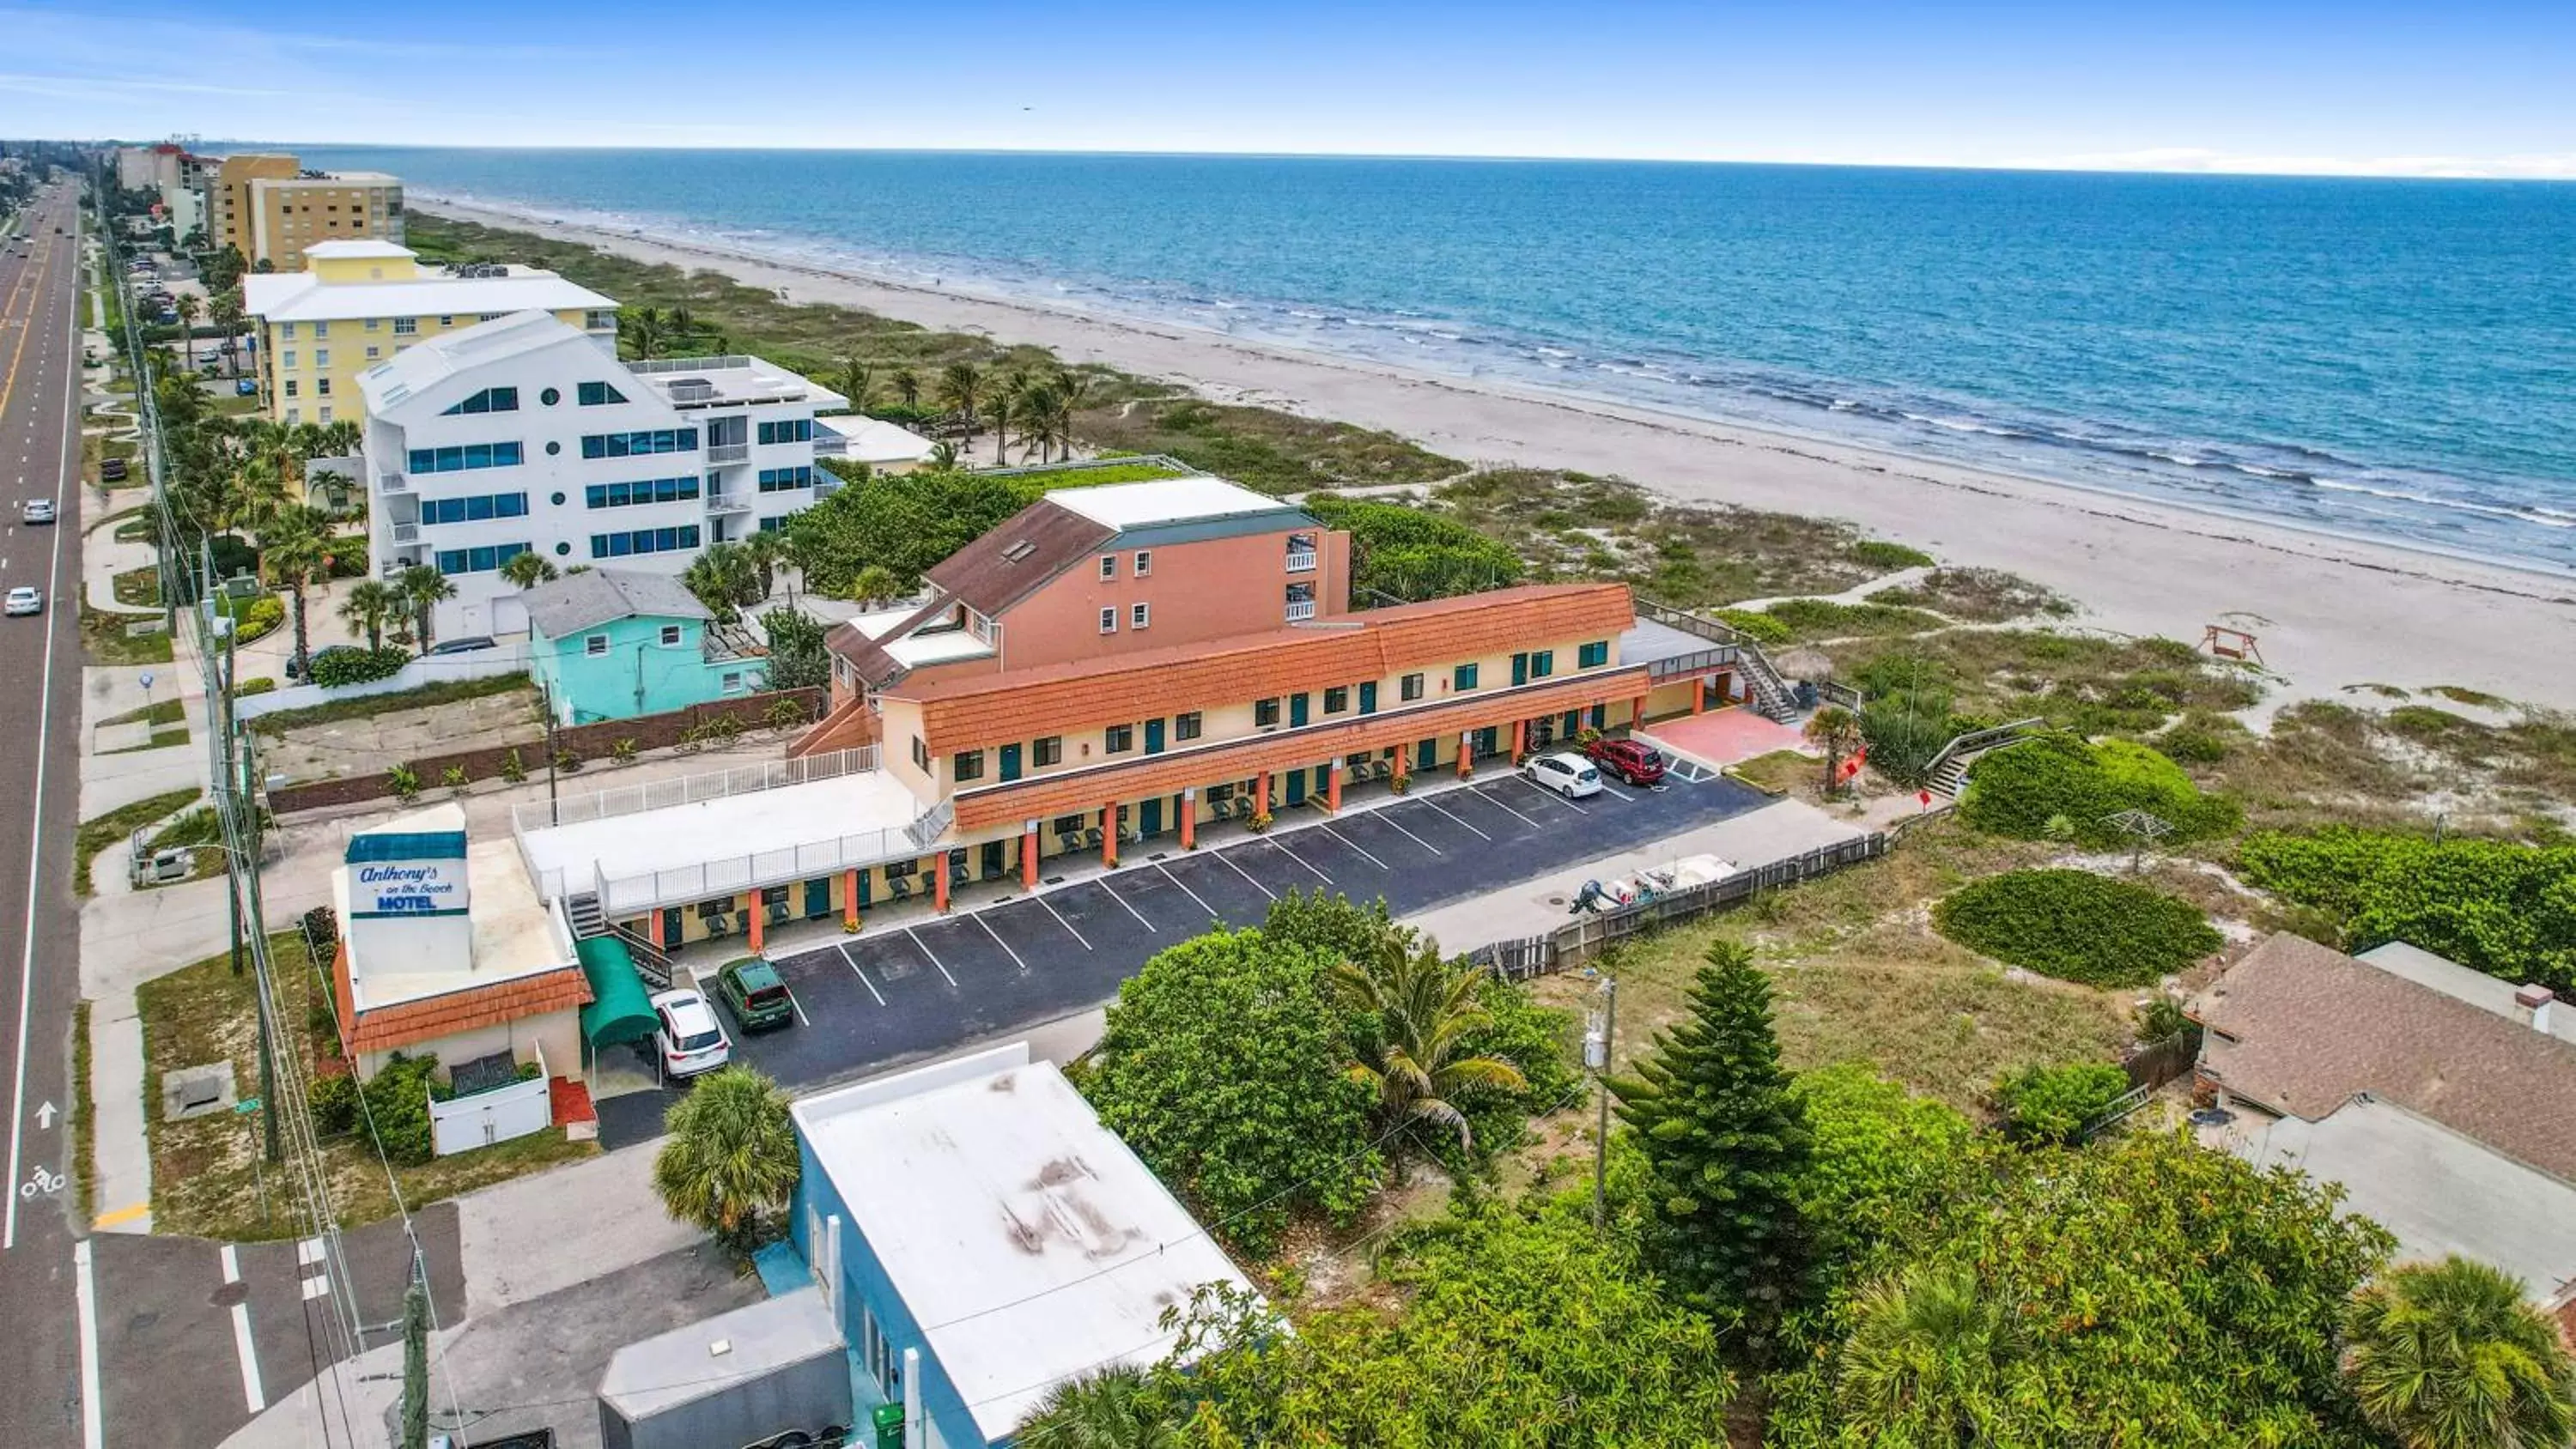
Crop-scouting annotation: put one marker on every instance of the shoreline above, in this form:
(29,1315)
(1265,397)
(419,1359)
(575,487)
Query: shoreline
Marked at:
(2333,611)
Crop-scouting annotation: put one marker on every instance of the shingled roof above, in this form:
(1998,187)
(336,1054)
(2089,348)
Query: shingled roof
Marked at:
(1011,560)
(427,1018)
(2298,1028)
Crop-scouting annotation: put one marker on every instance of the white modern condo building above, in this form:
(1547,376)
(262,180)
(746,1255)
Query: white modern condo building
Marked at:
(524,434)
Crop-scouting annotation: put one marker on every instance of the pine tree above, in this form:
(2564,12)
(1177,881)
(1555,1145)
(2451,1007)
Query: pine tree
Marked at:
(1728,1145)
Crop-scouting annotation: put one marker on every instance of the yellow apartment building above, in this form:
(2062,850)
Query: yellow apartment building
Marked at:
(228,198)
(287,217)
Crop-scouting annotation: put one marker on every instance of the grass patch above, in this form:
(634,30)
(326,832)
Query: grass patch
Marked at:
(104,639)
(207,1174)
(1809,620)
(2077,926)
(428,696)
(140,587)
(116,825)
(1778,772)
(134,530)
(1093,475)
(158,713)
(84,1123)
(2084,682)
(2475,698)
(1262,448)
(1977,596)
(2326,764)
(1887,557)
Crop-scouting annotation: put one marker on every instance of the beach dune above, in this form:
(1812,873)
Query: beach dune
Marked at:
(2331,613)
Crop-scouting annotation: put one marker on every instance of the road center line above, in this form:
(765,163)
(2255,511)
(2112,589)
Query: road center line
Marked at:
(1103,883)
(85,1297)
(1185,890)
(1355,845)
(251,1391)
(1247,875)
(926,951)
(1061,921)
(1453,815)
(998,941)
(862,975)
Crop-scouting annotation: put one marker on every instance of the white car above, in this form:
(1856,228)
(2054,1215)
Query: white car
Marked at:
(24,600)
(37,510)
(1569,775)
(688,1035)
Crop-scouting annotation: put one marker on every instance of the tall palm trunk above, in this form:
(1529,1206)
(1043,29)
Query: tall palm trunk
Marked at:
(295,603)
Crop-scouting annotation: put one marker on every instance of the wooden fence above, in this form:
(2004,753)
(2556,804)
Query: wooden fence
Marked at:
(1586,936)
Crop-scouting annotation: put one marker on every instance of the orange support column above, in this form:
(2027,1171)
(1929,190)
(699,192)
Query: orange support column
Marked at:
(1699,696)
(850,899)
(1109,836)
(1190,818)
(662,930)
(1403,765)
(1261,793)
(1466,753)
(939,881)
(1333,787)
(1520,739)
(1637,713)
(758,920)
(1029,857)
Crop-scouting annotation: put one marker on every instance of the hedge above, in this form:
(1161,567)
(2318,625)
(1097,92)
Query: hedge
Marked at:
(2052,1104)
(346,664)
(2505,909)
(2076,926)
(2058,787)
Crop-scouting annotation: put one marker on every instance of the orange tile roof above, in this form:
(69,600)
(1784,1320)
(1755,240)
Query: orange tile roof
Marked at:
(384,1028)
(1165,774)
(964,713)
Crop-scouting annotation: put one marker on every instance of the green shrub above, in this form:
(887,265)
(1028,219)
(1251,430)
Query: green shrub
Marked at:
(397,1107)
(346,664)
(1905,734)
(1760,627)
(2052,1104)
(1878,553)
(335,1105)
(2505,909)
(513,769)
(258,618)
(2192,745)
(1826,619)
(2076,926)
(404,781)
(261,685)
(2020,790)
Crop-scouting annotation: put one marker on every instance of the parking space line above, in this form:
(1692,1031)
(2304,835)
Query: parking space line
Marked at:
(1185,890)
(1355,845)
(792,1001)
(251,1391)
(1061,921)
(1301,860)
(862,975)
(1103,883)
(1387,818)
(1453,815)
(1609,789)
(1506,809)
(1553,797)
(1247,875)
(926,951)
(998,941)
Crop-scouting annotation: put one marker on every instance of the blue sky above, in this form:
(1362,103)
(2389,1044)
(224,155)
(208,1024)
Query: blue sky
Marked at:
(2363,87)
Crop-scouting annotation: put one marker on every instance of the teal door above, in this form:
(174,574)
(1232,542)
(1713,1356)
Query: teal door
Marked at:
(1368,697)
(1520,669)
(1487,741)
(1323,779)
(1296,710)
(671,919)
(1426,755)
(993,864)
(818,897)
(1600,715)
(1573,723)
(1153,741)
(1149,814)
(1010,762)
(1297,785)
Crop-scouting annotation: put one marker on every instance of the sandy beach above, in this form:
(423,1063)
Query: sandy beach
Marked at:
(2330,613)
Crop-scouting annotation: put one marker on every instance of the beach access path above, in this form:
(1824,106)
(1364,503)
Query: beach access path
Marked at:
(2330,612)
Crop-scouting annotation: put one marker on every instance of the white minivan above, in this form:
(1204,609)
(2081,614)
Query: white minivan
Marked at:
(1569,775)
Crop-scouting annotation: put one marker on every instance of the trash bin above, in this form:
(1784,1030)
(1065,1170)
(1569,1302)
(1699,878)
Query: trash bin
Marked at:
(1806,694)
(888,1419)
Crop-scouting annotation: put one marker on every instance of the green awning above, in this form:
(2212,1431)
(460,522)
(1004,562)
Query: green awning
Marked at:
(620,1010)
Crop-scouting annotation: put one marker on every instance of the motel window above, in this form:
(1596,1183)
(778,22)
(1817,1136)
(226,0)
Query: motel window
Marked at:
(1140,616)
(1048,751)
(1067,824)
(1144,562)
(371,324)
(1542,664)
(406,326)
(286,359)
(321,386)
(321,329)
(670,636)
(1592,655)
(290,387)
(374,352)
(1411,686)
(1186,726)
(1463,677)
(920,754)
(287,331)
(321,357)
(1109,565)
(970,765)
(1109,621)
(1337,698)
(326,415)
(1122,738)
(1265,712)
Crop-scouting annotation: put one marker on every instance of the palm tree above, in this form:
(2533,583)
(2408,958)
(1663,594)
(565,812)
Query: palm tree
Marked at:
(1037,413)
(763,550)
(907,386)
(874,584)
(423,589)
(1004,399)
(722,578)
(684,328)
(943,456)
(527,570)
(295,550)
(731,1157)
(1115,1408)
(1929,1350)
(642,329)
(1425,1009)
(371,605)
(855,380)
(227,315)
(1060,409)
(2450,1355)
(960,385)
(258,493)
(336,439)
(1838,730)
(189,308)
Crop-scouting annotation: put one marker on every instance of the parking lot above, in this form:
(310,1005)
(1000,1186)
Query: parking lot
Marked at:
(897,993)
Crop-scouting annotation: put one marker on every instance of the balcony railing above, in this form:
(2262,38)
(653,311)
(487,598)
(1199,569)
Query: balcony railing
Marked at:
(728,452)
(390,483)
(1300,610)
(1302,562)
(727,503)
(406,533)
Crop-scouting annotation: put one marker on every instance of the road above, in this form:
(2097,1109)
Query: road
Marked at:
(42,1402)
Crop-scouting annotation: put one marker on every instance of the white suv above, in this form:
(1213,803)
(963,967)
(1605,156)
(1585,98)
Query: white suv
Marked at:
(688,1035)
(1569,775)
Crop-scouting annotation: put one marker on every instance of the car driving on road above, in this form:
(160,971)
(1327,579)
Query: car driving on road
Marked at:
(24,600)
(36,511)
(1569,775)
(687,1034)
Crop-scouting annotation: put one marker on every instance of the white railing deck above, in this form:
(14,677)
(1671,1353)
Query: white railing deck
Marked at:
(1301,562)
(691,789)
(1300,610)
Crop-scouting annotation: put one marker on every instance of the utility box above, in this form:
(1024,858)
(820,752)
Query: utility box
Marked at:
(744,1377)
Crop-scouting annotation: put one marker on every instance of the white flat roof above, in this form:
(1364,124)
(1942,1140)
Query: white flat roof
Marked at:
(734,379)
(939,647)
(1025,1238)
(2438,1191)
(305,297)
(873,440)
(1163,500)
(514,934)
(732,827)
(357,247)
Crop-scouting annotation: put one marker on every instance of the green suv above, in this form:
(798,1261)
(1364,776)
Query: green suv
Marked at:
(753,992)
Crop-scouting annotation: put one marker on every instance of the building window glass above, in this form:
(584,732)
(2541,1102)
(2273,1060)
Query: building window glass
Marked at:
(321,357)
(1186,726)
(321,329)
(1109,621)
(287,331)
(478,560)
(1048,751)
(920,754)
(1463,677)
(290,387)
(670,636)
(406,326)
(1592,655)
(321,387)
(286,359)
(1140,615)
(1337,698)
(374,352)
(1265,712)
(371,324)
(462,459)
(733,682)
(639,444)
(476,509)
(1542,664)
(788,430)
(781,480)
(970,765)
(1109,565)
(1144,562)
(644,540)
(489,400)
(1121,739)
(595,644)
(597,395)
(1410,687)
(649,490)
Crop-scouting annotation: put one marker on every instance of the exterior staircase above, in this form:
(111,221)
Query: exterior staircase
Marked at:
(1773,697)
(1948,775)
(848,726)
(582,913)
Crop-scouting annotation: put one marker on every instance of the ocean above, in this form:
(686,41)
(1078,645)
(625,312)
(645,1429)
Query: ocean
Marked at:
(2387,359)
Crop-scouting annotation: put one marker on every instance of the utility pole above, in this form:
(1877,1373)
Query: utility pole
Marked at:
(546,706)
(415,1401)
(1600,1026)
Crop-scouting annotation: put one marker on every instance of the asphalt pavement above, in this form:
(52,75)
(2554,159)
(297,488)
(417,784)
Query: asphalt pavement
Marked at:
(44,1399)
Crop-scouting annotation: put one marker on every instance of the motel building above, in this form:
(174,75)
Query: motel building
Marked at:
(1110,671)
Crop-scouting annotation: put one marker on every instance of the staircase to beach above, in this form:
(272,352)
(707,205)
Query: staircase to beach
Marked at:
(1949,769)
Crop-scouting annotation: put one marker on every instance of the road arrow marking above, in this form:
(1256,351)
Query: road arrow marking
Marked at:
(45,1118)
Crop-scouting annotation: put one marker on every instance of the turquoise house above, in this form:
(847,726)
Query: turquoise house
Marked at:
(616,643)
